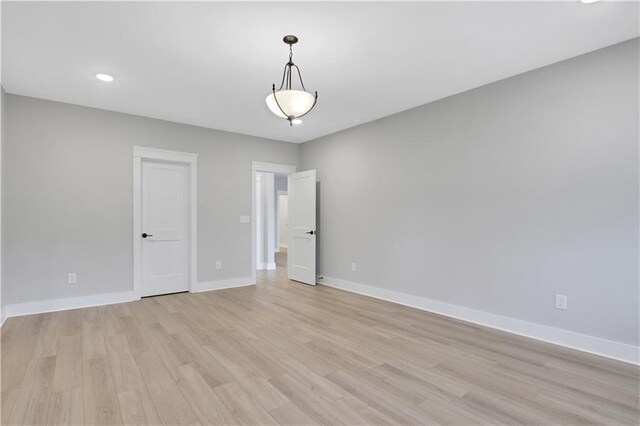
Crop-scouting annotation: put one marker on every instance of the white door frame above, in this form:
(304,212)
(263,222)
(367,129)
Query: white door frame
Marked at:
(257,166)
(141,153)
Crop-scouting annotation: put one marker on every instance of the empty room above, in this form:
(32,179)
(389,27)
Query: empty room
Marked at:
(320,213)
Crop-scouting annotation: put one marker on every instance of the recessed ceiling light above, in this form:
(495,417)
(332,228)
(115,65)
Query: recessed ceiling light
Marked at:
(588,1)
(104,77)
(296,121)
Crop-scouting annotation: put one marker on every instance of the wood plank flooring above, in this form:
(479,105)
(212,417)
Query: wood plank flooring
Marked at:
(286,353)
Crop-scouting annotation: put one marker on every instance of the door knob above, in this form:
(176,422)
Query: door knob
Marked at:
(311,232)
(145,235)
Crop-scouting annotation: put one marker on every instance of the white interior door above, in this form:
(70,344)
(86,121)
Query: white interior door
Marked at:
(301,250)
(165,221)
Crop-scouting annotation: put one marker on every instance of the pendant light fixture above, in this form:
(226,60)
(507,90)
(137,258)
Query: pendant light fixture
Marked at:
(287,102)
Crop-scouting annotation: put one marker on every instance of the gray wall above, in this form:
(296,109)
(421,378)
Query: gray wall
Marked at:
(67,196)
(498,198)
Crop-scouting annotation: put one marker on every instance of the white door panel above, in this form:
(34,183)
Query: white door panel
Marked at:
(302,226)
(165,222)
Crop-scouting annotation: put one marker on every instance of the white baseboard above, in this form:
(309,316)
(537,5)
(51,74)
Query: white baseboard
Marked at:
(582,342)
(270,265)
(52,305)
(222,284)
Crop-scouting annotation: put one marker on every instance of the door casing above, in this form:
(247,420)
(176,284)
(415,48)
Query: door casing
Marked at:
(190,160)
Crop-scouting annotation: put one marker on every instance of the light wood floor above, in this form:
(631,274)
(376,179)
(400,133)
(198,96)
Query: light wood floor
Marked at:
(286,353)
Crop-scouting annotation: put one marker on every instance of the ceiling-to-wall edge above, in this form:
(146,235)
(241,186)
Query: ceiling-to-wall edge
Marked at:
(359,125)
(421,105)
(154,118)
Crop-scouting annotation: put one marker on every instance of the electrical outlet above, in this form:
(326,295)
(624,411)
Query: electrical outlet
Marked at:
(72,278)
(218,265)
(561,302)
(353,266)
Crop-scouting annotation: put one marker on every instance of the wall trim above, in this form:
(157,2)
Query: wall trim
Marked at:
(266,265)
(222,284)
(64,304)
(275,168)
(164,154)
(569,339)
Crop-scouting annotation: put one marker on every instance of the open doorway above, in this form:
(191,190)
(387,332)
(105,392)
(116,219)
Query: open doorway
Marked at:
(270,215)
(301,221)
(282,221)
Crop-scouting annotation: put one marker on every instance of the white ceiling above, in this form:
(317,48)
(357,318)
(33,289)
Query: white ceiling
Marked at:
(212,64)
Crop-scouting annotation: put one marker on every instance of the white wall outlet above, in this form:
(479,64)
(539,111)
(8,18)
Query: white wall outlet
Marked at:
(245,219)
(218,265)
(353,266)
(72,278)
(561,302)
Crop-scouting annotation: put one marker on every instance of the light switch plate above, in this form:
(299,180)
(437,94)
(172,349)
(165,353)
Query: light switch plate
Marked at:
(245,219)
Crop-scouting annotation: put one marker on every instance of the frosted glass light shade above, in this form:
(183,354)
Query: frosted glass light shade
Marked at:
(293,102)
